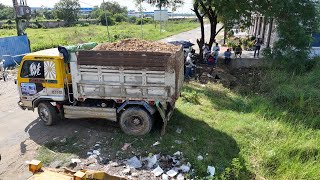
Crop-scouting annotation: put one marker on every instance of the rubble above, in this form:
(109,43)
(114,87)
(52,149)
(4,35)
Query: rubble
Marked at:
(137,45)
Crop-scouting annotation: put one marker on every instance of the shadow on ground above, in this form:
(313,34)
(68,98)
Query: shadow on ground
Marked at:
(197,138)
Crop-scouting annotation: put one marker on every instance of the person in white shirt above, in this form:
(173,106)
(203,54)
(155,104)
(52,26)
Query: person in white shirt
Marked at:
(189,64)
(216,50)
(206,52)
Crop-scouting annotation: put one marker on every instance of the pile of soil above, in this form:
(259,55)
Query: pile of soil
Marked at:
(137,45)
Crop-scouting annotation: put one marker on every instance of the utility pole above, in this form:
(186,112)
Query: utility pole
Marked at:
(22,12)
(141,11)
(106,17)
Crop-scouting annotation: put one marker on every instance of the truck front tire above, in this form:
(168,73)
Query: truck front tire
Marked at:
(136,121)
(47,113)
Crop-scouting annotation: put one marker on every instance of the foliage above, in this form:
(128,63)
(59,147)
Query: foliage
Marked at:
(144,21)
(120,17)
(165,3)
(67,10)
(49,38)
(192,97)
(132,19)
(6,12)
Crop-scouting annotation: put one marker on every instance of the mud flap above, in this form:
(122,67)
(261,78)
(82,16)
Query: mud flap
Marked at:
(165,117)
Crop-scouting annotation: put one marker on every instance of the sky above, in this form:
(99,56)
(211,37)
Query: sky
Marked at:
(186,8)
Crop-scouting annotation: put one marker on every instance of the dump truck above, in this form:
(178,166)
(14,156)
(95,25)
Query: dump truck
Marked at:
(129,87)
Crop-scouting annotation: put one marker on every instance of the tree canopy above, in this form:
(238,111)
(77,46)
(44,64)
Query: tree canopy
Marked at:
(68,10)
(6,12)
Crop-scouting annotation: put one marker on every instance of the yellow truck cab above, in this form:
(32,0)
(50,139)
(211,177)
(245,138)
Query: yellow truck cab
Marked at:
(41,77)
(128,87)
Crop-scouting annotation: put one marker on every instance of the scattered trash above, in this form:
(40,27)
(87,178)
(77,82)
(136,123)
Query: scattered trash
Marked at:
(151,161)
(179,130)
(89,153)
(202,85)
(209,75)
(135,174)
(75,131)
(125,146)
(157,171)
(55,138)
(180,177)
(211,170)
(156,143)
(97,145)
(64,140)
(96,152)
(178,141)
(178,153)
(75,160)
(134,162)
(194,139)
(172,173)
(200,158)
(126,171)
(184,168)
(165,177)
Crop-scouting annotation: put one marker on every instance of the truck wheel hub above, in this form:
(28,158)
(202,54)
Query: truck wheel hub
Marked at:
(136,121)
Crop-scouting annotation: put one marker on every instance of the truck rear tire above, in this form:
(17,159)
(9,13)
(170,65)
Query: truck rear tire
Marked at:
(47,113)
(136,121)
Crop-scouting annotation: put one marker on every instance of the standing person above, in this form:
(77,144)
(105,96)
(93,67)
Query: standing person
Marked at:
(216,50)
(206,52)
(188,64)
(257,48)
(227,57)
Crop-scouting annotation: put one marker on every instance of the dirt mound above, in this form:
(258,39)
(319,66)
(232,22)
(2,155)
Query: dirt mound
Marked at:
(137,45)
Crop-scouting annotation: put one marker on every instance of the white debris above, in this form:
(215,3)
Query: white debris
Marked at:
(97,145)
(151,161)
(89,153)
(172,173)
(165,177)
(126,171)
(156,143)
(179,130)
(157,171)
(178,141)
(178,153)
(64,140)
(96,152)
(194,139)
(180,177)
(185,168)
(75,160)
(202,85)
(125,146)
(134,162)
(211,170)
(200,158)
(209,75)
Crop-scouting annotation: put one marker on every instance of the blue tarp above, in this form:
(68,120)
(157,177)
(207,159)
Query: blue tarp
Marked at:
(12,49)
(316,40)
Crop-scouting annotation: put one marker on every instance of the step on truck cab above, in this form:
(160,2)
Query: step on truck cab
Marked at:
(123,86)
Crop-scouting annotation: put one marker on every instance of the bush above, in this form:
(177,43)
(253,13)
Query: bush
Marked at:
(120,17)
(111,20)
(133,19)
(144,21)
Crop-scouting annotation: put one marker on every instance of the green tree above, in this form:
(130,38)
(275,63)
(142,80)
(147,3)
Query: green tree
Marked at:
(6,12)
(114,11)
(67,10)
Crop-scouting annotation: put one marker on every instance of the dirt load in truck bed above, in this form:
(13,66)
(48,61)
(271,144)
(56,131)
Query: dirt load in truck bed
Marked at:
(137,45)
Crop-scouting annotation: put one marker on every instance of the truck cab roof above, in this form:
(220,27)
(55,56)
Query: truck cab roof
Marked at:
(52,53)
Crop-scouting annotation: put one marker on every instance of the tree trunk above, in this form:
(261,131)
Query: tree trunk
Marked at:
(200,18)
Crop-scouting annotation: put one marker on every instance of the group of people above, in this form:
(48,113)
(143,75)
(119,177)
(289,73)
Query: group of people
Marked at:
(211,56)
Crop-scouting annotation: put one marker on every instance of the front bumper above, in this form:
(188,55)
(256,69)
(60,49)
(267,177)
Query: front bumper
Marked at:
(23,106)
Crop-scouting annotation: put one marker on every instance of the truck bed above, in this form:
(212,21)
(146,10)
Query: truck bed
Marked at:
(149,76)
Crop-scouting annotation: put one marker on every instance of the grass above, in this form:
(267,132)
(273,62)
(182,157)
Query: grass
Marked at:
(48,38)
(244,136)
